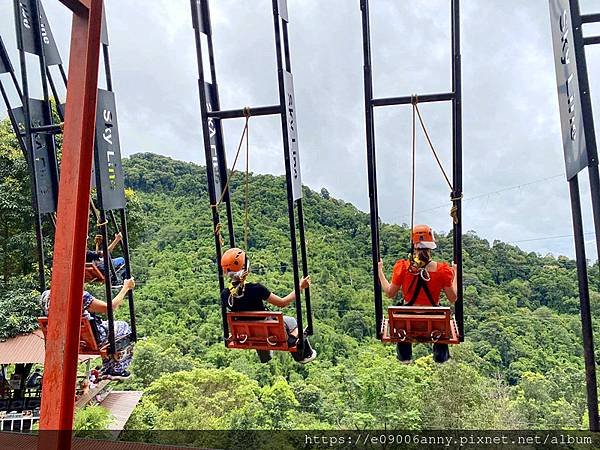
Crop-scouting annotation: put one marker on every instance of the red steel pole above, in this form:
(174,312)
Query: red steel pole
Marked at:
(62,343)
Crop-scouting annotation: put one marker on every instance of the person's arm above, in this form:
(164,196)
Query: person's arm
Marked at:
(276,300)
(452,290)
(390,289)
(115,242)
(99,306)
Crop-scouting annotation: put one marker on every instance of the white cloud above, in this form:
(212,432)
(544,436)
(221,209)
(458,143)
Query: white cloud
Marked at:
(510,112)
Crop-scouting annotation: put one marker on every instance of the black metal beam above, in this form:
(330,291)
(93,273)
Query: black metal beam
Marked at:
(29,144)
(591,40)
(591,146)
(48,119)
(371,164)
(584,302)
(284,65)
(590,18)
(457,164)
(239,113)
(406,100)
(196,7)
(48,129)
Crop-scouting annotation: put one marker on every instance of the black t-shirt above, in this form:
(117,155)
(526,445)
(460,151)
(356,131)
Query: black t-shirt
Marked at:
(91,256)
(254,298)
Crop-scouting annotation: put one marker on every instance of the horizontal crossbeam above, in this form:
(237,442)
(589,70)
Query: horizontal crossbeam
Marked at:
(50,129)
(591,40)
(237,113)
(426,98)
(590,18)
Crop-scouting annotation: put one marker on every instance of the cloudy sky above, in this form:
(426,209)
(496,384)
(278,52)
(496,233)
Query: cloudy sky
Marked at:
(514,184)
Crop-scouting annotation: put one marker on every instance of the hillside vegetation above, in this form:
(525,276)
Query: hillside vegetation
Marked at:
(520,367)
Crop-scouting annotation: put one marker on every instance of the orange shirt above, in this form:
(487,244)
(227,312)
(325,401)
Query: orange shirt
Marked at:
(440,279)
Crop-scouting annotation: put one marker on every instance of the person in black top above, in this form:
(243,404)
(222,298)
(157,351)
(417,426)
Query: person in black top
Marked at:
(246,297)
(95,256)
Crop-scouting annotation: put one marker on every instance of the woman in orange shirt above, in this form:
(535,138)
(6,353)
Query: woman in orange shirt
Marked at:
(422,281)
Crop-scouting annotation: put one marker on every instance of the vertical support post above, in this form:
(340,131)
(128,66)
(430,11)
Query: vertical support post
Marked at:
(587,116)
(126,255)
(48,119)
(59,109)
(371,164)
(109,270)
(199,20)
(281,67)
(584,301)
(221,156)
(299,205)
(62,344)
(123,219)
(457,163)
(594,177)
(39,236)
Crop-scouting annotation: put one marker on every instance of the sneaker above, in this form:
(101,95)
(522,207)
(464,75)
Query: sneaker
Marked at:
(405,361)
(310,358)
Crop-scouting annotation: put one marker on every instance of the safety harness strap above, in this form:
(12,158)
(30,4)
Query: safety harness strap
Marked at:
(421,284)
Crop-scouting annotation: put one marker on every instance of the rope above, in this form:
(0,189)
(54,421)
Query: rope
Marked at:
(416,108)
(96,212)
(218,227)
(218,233)
(453,198)
(237,155)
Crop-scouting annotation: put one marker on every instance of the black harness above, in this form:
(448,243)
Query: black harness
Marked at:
(421,284)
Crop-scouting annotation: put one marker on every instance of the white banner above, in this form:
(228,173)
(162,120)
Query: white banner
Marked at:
(292,132)
(569,98)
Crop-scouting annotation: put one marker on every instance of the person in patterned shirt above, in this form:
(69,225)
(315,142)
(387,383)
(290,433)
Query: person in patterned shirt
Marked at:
(111,369)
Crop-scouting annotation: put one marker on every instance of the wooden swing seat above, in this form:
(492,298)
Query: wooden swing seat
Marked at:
(88,343)
(263,330)
(87,339)
(420,324)
(93,274)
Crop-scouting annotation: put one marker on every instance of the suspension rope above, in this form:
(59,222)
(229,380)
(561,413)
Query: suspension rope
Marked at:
(218,227)
(453,197)
(416,108)
(96,212)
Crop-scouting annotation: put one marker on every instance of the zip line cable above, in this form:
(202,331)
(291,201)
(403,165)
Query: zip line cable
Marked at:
(489,194)
(562,236)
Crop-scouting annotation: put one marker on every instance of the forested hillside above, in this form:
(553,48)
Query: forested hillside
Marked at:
(520,367)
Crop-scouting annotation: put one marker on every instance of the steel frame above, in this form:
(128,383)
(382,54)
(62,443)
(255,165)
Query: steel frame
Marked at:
(62,346)
(455,96)
(579,43)
(52,128)
(216,165)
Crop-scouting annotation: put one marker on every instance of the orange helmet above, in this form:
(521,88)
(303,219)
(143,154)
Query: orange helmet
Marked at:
(233,261)
(423,237)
